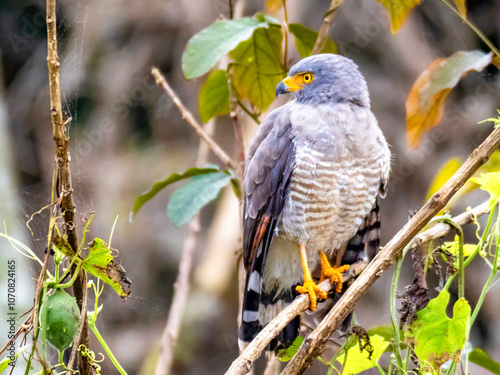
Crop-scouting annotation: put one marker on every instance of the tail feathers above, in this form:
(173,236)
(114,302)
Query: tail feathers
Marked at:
(259,308)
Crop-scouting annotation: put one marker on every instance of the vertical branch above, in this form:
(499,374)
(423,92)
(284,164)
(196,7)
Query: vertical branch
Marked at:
(63,181)
(170,336)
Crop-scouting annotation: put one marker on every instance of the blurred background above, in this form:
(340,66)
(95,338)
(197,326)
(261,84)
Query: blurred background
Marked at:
(126,134)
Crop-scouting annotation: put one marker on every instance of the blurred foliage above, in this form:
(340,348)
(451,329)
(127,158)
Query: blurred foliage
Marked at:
(425,103)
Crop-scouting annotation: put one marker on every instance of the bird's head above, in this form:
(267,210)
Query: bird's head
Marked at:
(325,78)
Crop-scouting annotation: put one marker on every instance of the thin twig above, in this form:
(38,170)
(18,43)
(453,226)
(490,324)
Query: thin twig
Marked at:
(188,116)
(169,339)
(63,185)
(315,344)
(325,27)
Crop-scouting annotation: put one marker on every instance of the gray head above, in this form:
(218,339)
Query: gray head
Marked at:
(325,78)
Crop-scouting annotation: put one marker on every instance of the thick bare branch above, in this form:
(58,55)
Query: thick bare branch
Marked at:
(188,116)
(63,187)
(315,344)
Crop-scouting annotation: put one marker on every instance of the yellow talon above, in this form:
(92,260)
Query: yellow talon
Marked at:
(315,292)
(332,273)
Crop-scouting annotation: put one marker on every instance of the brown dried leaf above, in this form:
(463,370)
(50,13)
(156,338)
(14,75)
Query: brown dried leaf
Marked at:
(425,103)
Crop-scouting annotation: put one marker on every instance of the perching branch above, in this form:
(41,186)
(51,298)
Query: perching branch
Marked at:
(315,344)
(325,27)
(64,189)
(188,116)
(243,364)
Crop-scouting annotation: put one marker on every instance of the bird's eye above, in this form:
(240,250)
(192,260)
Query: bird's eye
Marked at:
(307,78)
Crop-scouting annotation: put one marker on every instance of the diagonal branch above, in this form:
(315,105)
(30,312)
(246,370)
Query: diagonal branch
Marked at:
(188,116)
(315,344)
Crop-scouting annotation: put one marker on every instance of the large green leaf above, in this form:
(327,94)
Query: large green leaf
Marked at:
(399,10)
(480,358)
(425,103)
(257,68)
(306,38)
(157,187)
(188,200)
(437,338)
(207,47)
(214,96)
(360,360)
(100,263)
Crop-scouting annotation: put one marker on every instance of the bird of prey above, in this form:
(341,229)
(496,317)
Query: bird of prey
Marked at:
(314,171)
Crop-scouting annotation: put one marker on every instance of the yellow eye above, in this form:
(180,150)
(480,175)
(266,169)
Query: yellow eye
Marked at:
(307,78)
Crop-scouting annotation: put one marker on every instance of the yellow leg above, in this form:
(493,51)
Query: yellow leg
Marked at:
(309,286)
(332,273)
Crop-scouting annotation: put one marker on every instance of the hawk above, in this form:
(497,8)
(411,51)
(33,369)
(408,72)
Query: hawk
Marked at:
(314,171)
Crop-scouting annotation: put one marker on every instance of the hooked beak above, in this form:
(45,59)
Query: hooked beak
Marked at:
(287,86)
(282,88)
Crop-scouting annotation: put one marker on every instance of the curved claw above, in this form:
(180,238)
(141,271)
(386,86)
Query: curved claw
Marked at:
(315,292)
(332,273)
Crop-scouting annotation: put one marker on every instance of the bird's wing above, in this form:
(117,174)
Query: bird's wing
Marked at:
(268,172)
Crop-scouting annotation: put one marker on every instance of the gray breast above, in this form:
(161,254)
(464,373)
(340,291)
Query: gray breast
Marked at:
(329,198)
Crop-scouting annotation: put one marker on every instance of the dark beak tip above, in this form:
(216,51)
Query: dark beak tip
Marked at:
(281,89)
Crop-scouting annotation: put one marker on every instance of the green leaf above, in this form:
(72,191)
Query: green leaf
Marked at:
(399,10)
(257,67)
(100,263)
(207,47)
(425,103)
(188,200)
(306,38)
(358,361)
(214,96)
(157,187)
(490,182)
(436,337)
(480,358)
(284,355)
(7,361)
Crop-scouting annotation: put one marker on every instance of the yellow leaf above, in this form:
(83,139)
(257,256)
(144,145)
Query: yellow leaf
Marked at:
(490,182)
(425,103)
(274,5)
(461,7)
(453,247)
(443,175)
(399,10)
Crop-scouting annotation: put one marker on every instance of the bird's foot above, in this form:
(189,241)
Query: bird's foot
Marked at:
(315,292)
(335,276)
(332,273)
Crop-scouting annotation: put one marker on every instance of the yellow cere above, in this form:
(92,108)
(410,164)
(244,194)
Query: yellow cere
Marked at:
(298,81)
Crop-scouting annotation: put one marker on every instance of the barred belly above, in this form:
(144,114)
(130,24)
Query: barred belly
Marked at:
(329,199)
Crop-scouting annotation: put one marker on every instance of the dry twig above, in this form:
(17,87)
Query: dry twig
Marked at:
(315,343)
(63,184)
(325,27)
(188,116)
